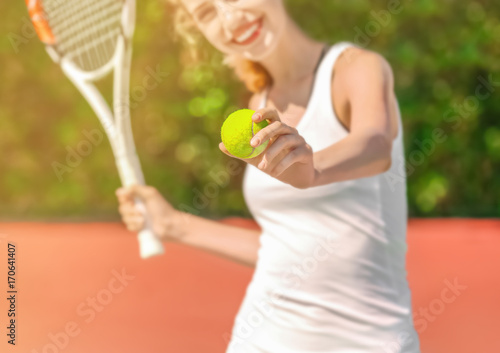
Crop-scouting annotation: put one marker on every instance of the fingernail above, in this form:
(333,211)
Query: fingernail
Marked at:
(256,117)
(262,165)
(255,142)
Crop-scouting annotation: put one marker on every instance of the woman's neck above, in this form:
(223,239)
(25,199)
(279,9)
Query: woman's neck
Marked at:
(294,58)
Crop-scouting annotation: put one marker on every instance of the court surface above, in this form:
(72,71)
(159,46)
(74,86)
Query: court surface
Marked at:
(83,288)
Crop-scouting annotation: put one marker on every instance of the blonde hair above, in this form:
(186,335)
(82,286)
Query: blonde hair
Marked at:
(255,77)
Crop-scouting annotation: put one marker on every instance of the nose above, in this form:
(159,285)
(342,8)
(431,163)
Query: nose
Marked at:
(229,16)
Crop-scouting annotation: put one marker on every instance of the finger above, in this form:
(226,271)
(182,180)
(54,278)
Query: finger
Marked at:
(225,151)
(132,227)
(139,222)
(135,223)
(291,158)
(267,166)
(269,114)
(143,192)
(123,194)
(283,143)
(128,209)
(253,161)
(275,129)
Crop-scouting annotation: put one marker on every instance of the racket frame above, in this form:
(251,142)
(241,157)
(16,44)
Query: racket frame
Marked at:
(116,123)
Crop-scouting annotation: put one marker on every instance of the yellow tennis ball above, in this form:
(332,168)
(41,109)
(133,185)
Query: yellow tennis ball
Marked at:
(238,130)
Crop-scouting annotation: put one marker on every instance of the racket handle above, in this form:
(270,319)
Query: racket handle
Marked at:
(149,244)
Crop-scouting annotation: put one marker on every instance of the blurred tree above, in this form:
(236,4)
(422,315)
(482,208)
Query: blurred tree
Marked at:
(441,51)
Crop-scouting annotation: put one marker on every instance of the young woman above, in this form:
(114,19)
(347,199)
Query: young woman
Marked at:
(328,194)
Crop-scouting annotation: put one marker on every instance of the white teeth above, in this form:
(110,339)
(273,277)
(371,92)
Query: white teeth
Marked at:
(248,33)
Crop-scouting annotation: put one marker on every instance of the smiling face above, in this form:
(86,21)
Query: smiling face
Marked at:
(247,27)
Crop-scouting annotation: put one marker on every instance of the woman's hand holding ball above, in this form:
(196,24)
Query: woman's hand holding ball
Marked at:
(261,139)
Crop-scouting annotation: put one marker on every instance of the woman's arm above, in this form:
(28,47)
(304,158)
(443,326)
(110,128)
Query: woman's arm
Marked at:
(234,243)
(367,81)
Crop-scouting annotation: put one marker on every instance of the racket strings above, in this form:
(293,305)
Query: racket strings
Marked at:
(86,31)
(91,26)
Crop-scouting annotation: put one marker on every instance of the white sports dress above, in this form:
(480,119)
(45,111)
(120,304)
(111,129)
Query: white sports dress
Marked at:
(331,271)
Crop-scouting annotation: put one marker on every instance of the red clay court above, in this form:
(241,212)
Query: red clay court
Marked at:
(83,288)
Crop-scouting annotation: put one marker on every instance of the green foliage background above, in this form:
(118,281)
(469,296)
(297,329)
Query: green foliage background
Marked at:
(437,49)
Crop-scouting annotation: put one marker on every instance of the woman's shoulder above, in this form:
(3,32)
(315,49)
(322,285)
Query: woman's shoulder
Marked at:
(362,80)
(357,64)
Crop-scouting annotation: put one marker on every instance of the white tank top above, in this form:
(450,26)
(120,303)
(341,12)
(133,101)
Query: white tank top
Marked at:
(330,275)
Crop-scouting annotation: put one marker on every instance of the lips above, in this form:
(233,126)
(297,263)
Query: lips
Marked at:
(248,33)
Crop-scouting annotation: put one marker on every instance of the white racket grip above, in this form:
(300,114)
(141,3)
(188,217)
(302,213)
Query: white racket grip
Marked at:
(149,244)
(130,173)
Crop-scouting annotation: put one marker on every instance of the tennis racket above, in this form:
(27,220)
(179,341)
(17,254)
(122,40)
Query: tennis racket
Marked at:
(89,39)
